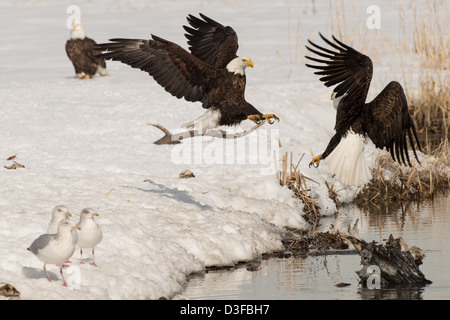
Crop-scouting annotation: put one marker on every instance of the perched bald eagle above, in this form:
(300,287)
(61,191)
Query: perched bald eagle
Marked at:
(212,73)
(80,50)
(385,120)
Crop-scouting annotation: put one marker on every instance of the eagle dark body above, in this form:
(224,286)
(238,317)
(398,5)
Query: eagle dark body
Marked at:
(385,120)
(82,53)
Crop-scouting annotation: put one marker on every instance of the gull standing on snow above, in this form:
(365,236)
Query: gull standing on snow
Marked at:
(60,213)
(90,234)
(56,248)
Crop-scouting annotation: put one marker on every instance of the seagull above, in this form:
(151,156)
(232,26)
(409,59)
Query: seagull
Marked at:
(56,248)
(90,234)
(59,213)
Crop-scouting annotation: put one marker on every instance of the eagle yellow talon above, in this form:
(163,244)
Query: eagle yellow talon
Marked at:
(256,118)
(85,77)
(268,117)
(315,162)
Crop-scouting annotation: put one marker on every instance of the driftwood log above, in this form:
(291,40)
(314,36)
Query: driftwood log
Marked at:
(170,138)
(392,264)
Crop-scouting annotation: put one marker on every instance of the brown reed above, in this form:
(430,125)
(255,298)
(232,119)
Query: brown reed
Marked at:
(290,176)
(393,185)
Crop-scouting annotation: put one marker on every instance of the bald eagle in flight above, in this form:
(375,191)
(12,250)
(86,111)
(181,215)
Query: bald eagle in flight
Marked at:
(81,51)
(385,120)
(211,73)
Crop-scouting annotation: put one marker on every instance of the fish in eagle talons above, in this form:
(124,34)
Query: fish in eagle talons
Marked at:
(211,73)
(385,120)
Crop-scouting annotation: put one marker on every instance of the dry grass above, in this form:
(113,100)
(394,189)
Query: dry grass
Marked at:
(333,194)
(429,40)
(290,176)
(393,185)
(356,33)
(430,102)
(430,106)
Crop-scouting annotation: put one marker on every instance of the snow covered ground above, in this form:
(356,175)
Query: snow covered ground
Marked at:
(88,143)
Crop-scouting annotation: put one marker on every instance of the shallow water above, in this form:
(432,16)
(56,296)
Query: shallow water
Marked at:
(424,225)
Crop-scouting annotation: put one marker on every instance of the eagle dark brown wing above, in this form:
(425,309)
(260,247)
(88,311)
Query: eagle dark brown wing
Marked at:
(92,52)
(176,70)
(210,41)
(351,71)
(387,122)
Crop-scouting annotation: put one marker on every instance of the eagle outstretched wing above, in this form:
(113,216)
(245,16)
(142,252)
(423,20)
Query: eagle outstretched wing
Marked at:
(387,122)
(210,41)
(176,70)
(91,52)
(351,71)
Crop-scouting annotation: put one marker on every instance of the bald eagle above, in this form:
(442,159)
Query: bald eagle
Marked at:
(385,120)
(211,73)
(80,50)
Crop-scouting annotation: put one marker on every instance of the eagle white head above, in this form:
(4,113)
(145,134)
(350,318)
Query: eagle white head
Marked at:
(336,101)
(238,65)
(77,31)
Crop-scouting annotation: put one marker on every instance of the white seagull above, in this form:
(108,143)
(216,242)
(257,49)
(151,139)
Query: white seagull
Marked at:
(90,234)
(56,248)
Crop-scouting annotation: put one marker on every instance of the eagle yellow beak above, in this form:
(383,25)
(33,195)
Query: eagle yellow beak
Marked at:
(77,227)
(68,214)
(75,25)
(96,214)
(249,63)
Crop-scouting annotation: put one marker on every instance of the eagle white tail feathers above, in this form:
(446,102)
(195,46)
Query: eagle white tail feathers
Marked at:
(209,120)
(102,71)
(347,161)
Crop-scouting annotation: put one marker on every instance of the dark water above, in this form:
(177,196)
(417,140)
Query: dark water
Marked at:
(424,225)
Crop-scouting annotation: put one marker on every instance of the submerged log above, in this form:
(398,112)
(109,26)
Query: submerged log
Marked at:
(392,264)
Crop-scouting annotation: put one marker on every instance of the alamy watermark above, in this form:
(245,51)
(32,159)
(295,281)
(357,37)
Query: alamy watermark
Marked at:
(75,15)
(374,20)
(260,147)
(374,280)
